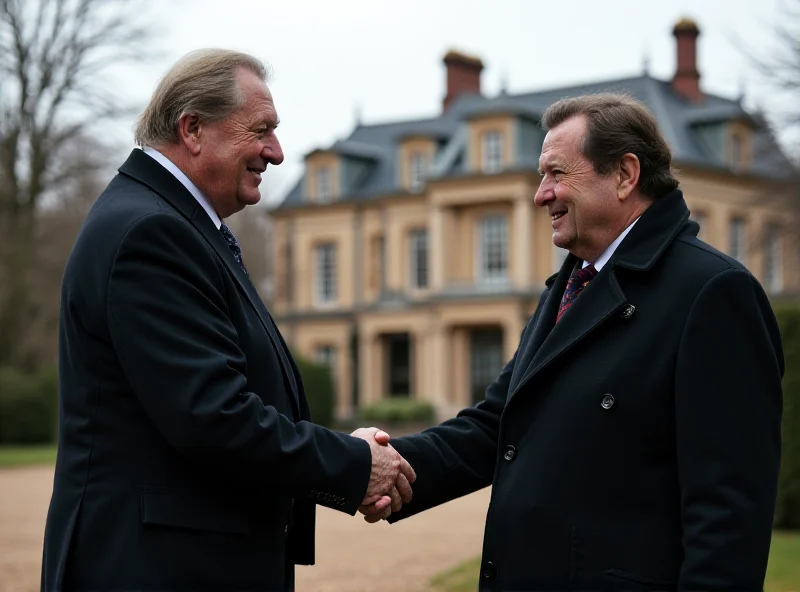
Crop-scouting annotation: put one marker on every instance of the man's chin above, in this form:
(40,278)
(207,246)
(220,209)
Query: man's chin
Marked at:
(249,199)
(561,241)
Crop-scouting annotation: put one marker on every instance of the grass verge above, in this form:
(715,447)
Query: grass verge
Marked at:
(20,456)
(783,570)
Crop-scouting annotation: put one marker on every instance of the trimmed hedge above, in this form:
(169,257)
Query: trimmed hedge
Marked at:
(318,386)
(28,406)
(394,410)
(787,511)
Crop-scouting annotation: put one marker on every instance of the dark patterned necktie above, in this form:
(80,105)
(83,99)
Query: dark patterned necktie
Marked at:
(579,279)
(233,245)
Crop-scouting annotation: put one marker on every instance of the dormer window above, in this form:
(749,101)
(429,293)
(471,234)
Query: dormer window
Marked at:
(418,164)
(324,188)
(736,151)
(491,152)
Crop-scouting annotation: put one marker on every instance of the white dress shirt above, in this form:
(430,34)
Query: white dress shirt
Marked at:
(603,259)
(178,174)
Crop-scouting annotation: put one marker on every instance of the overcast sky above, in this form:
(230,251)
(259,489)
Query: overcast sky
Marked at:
(332,58)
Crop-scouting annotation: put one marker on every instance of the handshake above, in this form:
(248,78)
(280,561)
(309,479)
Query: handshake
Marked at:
(390,479)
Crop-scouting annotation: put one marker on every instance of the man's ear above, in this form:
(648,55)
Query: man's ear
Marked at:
(628,172)
(189,133)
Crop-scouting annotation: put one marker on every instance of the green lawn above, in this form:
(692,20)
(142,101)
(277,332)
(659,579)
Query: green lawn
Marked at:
(18,456)
(783,571)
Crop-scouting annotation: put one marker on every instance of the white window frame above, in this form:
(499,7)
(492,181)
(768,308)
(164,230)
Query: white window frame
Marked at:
(773,258)
(417,171)
(737,239)
(492,151)
(417,239)
(325,288)
(323,187)
(488,226)
(737,144)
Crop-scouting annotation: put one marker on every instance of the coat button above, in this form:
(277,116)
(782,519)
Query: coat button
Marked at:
(628,311)
(607,402)
(488,571)
(510,453)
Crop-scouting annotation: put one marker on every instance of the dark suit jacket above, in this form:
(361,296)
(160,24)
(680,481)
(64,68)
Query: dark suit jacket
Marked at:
(184,430)
(636,444)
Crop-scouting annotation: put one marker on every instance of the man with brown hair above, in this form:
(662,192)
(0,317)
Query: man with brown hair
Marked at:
(633,440)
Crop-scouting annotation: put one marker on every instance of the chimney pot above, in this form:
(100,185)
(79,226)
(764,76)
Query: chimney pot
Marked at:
(686,81)
(463,76)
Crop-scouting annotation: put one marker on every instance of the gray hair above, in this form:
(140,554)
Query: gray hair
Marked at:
(202,83)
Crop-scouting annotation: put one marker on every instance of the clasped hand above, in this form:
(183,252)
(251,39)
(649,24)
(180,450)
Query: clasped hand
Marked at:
(390,479)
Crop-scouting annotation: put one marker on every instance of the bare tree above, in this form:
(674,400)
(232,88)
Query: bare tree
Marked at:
(54,55)
(777,67)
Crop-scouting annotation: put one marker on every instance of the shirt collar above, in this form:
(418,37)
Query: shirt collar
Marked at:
(179,174)
(603,259)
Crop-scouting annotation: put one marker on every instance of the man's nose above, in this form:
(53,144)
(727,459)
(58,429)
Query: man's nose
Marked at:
(273,153)
(544,194)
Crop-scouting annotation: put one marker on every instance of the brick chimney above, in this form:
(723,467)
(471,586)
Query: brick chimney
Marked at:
(686,81)
(463,76)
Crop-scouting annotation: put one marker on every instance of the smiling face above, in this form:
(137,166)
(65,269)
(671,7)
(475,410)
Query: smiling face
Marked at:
(233,153)
(588,210)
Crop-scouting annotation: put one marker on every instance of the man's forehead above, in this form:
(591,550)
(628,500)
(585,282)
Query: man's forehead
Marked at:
(562,141)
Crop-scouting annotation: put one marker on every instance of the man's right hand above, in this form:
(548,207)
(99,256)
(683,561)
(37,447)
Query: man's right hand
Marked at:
(391,475)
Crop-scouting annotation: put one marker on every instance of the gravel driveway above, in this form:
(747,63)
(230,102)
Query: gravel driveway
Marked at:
(352,556)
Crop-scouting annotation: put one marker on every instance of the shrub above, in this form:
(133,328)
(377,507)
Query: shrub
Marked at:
(393,410)
(28,406)
(787,511)
(318,386)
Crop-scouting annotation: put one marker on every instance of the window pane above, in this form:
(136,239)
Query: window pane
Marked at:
(494,248)
(491,152)
(419,258)
(326,273)
(418,167)
(323,185)
(773,264)
(737,239)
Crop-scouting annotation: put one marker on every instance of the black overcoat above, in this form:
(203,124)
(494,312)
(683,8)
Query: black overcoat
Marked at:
(186,460)
(635,445)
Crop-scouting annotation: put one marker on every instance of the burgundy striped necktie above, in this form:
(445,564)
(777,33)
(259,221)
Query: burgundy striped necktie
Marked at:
(579,279)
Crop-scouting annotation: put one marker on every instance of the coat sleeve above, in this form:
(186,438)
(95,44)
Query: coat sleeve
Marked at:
(728,405)
(170,328)
(457,457)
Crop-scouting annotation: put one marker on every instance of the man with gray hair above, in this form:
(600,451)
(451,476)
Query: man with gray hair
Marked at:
(186,456)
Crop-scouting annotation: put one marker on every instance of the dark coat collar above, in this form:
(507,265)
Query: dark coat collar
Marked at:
(657,228)
(654,232)
(147,171)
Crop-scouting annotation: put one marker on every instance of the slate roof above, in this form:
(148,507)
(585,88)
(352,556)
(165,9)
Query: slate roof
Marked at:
(679,121)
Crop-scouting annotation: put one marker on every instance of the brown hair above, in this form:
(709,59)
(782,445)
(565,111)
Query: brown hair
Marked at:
(618,124)
(204,83)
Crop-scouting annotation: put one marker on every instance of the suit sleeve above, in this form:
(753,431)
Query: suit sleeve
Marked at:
(170,327)
(728,402)
(457,457)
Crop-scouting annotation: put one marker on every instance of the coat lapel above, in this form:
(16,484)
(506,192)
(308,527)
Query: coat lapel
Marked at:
(600,300)
(658,227)
(145,170)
